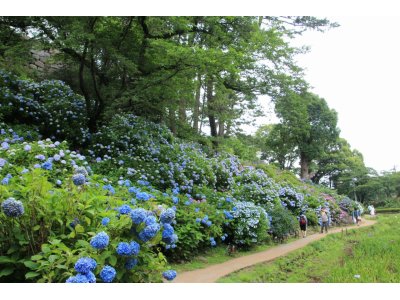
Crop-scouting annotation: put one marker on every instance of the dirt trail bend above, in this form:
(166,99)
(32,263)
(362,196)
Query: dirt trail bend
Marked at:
(212,273)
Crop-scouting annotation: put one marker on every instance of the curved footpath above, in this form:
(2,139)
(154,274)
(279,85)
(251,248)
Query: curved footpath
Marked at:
(214,272)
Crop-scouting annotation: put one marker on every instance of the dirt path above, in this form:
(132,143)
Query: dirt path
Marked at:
(212,273)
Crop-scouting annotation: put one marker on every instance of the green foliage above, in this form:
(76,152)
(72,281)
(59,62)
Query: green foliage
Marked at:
(282,222)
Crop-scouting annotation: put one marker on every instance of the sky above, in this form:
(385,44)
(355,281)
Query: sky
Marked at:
(355,68)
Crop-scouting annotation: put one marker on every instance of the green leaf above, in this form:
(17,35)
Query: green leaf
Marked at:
(52,258)
(6,272)
(36,257)
(55,242)
(82,243)
(113,260)
(13,249)
(61,267)
(31,264)
(36,228)
(6,260)
(45,248)
(79,228)
(31,275)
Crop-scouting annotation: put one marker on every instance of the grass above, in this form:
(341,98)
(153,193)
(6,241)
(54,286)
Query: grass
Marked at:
(371,253)
(219,255)
(388,210)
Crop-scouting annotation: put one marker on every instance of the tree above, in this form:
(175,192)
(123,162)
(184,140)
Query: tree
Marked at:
(276,145)
(307,129)
(159,67)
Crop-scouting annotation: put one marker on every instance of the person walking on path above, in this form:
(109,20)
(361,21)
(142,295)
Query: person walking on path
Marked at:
(324,220)
(358,217)
(303,225)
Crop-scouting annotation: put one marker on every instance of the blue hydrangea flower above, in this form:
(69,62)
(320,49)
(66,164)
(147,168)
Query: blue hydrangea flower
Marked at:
(124,249)
(78,179)
(81,170)
(58,182)
(100,241)
(138,215)
(143,196)
(105,221)
(124,209)
(40,157)
(135,247)
(169,274)
(47,165)
(80,278)
(5,181)
(150,220)
(133,190)
(167,234)
(213,242)
(12,208)
(90,277)
(149,232)
(228,215)
(5,145)
(85,265)
(27,148)
(107,274)
(131,263)
(143,182)
(2,162)
(108,187)
(167,216)
(175,200)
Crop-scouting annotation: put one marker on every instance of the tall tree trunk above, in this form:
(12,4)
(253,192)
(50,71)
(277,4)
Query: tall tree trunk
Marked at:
(182,111)
(304,166)
(221,128)
(172,120)
(211,111)
(196,108)
(202,111)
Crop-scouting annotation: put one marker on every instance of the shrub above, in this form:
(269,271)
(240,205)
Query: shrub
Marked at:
(282,222)
(249,225)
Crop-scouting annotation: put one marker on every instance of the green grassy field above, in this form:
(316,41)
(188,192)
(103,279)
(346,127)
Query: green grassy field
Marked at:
(370,254)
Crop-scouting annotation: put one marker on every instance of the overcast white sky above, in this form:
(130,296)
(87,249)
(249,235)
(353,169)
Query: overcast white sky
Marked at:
(355,67)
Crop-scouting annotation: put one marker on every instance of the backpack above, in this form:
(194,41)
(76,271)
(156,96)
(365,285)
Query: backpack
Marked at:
(303,221)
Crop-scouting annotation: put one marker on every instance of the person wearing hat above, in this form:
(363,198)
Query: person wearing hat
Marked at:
(324,220)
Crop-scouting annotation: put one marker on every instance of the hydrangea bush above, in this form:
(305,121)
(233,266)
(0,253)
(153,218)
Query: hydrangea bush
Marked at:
(51,105)
(249,224)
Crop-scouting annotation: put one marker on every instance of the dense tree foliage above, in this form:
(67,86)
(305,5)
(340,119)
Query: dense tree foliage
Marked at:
(186,72)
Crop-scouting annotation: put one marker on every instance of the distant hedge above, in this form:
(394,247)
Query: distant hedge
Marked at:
(388,210)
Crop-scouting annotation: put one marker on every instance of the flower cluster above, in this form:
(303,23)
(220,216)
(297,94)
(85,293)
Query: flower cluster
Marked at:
(128,249)
(169,274)
(108,274)
(85,267)
(100,241)
(12,208)
(249,223)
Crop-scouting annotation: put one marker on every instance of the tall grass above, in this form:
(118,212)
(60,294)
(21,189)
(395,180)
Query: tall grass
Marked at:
(370,254)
